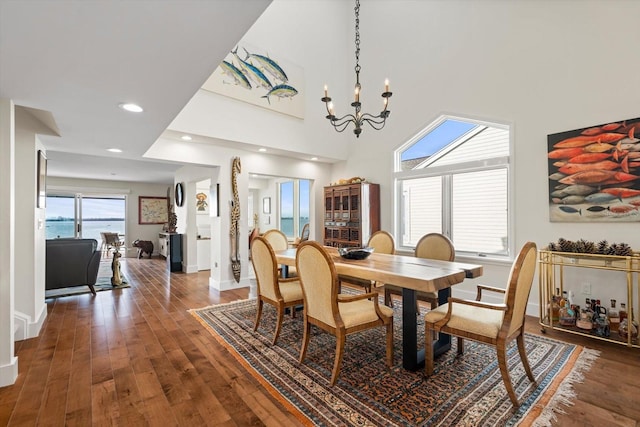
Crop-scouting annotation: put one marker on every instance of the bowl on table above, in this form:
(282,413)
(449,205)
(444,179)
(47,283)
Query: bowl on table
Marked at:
(355,253)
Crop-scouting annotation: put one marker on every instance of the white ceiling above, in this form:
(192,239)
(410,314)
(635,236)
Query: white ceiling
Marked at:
(79,60)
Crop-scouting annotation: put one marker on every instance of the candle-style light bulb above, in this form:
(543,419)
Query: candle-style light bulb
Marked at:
(325,90)
(386,85)
(357,92)
(331,108)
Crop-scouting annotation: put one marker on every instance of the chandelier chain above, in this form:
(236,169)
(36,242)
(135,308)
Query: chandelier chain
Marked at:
(357,10)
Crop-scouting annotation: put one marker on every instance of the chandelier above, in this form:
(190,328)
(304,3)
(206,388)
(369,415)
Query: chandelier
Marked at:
(358,119)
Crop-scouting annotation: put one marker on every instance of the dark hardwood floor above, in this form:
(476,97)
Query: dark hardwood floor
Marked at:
(135,357)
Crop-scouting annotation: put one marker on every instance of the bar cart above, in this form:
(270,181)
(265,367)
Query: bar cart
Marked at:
(552,266)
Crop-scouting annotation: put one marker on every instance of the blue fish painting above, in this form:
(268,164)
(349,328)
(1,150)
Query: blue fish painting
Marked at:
(262,77)
(281,91)
(267,64)
(252,73)
(232,71)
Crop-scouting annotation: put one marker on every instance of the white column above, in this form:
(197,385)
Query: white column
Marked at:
(8,361)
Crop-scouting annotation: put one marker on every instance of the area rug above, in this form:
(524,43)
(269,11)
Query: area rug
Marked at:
(465,390)
(103,283)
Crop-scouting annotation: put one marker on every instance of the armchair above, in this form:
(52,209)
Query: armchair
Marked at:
(493,324)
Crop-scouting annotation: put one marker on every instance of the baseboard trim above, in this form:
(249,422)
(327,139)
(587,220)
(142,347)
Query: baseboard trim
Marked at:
(227,285)
(26,327)
(9,372)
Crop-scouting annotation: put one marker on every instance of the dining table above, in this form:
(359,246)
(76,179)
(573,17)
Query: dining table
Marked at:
(410,273)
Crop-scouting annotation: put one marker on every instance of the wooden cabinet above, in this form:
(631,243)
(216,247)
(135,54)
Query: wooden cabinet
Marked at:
(552,274)
(351,214)
(170,247)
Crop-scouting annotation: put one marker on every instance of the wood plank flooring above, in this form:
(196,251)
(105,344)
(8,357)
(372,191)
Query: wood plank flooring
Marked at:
(136,357)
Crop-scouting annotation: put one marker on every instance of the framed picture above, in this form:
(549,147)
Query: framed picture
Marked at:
(266,205)
(41,191)
(593,173)
(202,203)
(152,210)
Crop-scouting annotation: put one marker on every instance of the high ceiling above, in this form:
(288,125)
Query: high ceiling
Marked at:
(79,60)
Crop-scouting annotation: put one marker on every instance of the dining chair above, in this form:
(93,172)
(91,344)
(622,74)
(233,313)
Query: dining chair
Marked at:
(493,324)
(278,241)
(112,241)
(304,236)
(336,313)
(430,246)
(383,243)
(272,289)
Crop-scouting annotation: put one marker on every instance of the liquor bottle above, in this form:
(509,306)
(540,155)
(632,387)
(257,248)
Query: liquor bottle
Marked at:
(623,311)
(627,327)
(614,316)
(602,325)
(555,306)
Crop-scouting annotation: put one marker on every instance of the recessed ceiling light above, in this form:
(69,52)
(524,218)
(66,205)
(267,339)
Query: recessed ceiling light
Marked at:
(134,108)
(186,138)
(114,150)
(262,150)
(314,158)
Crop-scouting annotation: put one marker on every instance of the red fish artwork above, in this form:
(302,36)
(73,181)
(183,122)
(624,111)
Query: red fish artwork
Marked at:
(598,177)
(621,192)
(603,161)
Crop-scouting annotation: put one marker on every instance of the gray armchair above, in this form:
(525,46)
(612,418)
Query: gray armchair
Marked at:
(72,262)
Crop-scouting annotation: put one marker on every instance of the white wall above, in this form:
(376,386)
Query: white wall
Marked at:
(8,361)
(30,309)
(132,190)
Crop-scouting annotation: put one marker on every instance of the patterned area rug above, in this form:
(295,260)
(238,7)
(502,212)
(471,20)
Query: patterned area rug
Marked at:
(103,283)
(465,390)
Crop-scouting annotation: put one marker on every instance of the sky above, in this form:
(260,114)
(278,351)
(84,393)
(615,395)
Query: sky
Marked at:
(447,132)
(286,199)
(91,207)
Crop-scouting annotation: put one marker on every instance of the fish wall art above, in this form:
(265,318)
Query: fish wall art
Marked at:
(260,78)
(594,173)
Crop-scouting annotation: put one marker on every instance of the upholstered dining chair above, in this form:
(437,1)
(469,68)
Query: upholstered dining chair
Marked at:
(430,246)
(336,313)
(304,236)
(272,289)
(493,324)
(383,243)
(278,241)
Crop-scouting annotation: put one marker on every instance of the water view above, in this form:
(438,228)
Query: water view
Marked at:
(60,228)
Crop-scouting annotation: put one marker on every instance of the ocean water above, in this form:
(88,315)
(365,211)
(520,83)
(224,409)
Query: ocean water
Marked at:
(286,225)
(90,229)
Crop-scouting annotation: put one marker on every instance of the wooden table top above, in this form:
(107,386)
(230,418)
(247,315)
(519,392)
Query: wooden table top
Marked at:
(404,271)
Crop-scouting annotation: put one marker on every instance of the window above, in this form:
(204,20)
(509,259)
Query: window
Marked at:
(83,216)
(453,178)
(294,206)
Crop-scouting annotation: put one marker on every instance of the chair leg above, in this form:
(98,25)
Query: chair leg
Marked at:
(390,344)
(388,301)
(258,314)
(93,290)
(460,345)
(501,349)
(340,341)
(305,339)
(280,314)
(523,357)
(428,350)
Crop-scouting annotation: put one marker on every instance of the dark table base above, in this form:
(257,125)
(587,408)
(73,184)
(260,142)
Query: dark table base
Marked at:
(412,358)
